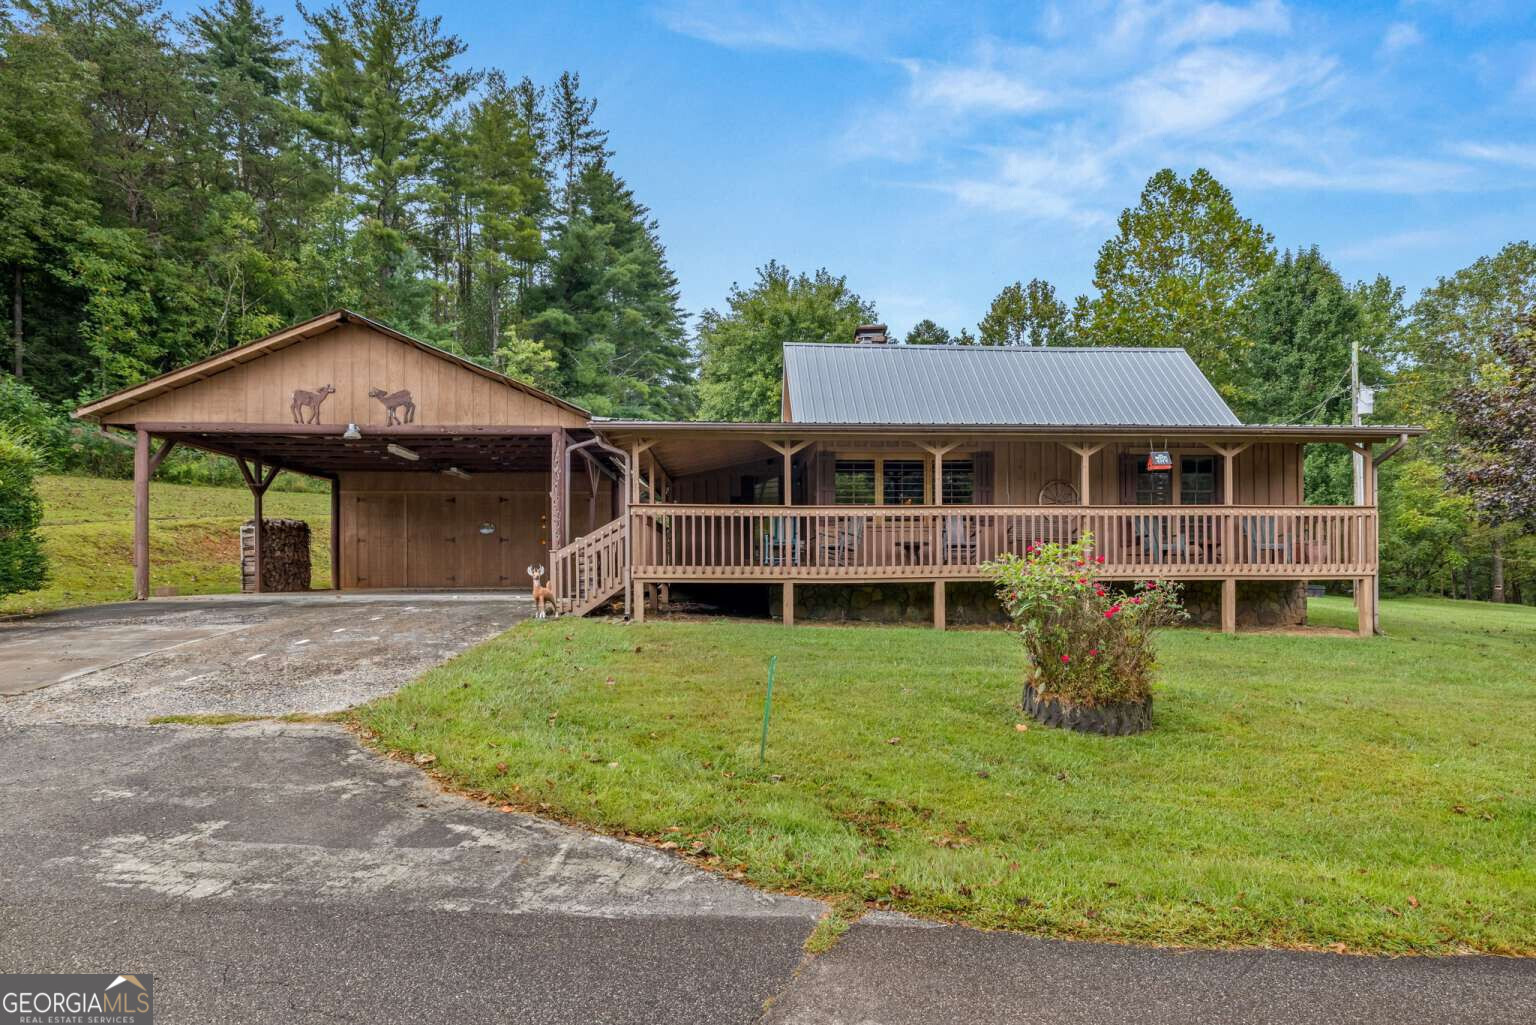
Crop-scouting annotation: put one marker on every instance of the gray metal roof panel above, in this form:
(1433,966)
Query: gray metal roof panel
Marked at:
(965,384)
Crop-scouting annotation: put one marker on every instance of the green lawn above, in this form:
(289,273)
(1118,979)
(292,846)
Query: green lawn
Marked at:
(1298,790)
(194,539)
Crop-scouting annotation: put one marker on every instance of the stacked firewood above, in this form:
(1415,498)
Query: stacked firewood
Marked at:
(284,555)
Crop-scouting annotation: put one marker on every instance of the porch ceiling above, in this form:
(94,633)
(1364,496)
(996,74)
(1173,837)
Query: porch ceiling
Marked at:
(324,452)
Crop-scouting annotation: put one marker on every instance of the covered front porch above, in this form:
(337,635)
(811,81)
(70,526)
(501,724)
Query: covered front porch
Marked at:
(823,504)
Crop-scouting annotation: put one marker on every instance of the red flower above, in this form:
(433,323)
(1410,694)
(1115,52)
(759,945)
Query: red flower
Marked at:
(1066,658)
(1082,580)
(1099,591)
(1080,562)
(1099,560)
(1093,651)
(1109,613)
(1135,601)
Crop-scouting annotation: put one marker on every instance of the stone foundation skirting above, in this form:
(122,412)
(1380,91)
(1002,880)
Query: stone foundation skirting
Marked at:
(1260,603)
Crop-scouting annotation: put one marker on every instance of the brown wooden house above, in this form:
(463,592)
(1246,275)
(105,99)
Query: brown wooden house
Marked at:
(895,469)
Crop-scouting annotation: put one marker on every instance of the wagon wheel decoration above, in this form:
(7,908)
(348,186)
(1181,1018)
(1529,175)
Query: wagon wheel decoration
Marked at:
(1058,492)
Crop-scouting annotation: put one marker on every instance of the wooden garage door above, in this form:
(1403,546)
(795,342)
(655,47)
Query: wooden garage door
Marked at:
(448,539)
(378,542)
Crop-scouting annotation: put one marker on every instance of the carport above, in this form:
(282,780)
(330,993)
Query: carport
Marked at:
(443,473)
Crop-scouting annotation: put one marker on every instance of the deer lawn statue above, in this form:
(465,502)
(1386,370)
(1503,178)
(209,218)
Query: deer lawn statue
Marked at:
(541,594)
(394,402)
(306,404)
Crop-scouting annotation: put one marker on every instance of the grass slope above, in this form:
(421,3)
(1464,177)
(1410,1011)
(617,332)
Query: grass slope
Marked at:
(1310,791)
(194,539)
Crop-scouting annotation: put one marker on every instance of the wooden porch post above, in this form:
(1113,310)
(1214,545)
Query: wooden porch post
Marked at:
(1229,605)
(141,516)
(789,603)
(939,618)
(787,449)
(335,533)
(1085,453)
(557,489)
(145,464)
(259,534)
(258,482)
(1229,454)
(1365,587)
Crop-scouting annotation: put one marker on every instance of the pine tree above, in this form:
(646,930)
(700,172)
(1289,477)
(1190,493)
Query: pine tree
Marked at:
(364,49)
(610,313)
(575,140)
(926,332)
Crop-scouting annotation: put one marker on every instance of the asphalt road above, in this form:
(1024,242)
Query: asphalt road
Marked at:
(282,874)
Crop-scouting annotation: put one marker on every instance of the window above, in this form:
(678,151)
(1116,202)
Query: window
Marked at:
(1153,487)
(959,482)
(903,481)
(854,482)
(1197,480)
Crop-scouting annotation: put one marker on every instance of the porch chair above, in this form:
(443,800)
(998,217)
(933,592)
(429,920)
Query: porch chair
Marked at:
(840,545)
(1262,536)
(781,541)
(1153,541)
(959,540)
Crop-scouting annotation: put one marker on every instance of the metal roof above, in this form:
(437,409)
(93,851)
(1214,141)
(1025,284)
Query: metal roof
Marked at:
(997,385)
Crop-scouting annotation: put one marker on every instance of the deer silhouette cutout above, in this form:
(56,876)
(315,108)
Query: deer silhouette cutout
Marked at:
(541,595)
(306,404)
(394,402)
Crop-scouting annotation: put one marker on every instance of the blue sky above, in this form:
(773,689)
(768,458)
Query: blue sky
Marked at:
(935,153)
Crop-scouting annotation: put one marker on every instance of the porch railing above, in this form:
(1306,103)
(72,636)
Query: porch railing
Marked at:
(589,570)
(701,542)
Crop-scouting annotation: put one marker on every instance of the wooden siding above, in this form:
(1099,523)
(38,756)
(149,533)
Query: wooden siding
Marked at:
(354,358)
(1265,474)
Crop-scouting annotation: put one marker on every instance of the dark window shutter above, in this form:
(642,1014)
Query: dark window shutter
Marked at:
(981,464)
(1219,478)
(1128,479)
(826,478)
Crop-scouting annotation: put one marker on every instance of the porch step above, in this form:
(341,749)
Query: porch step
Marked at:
(589,571)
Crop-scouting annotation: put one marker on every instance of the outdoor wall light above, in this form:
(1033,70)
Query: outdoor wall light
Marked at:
(454,471)
(352,433)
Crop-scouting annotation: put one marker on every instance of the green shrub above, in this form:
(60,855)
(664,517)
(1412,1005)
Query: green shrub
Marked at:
(23,566)
(1087,643)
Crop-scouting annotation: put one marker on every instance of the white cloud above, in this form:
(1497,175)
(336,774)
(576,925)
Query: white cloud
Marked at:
(973,89)
(1209,87)
(1400,35)
(791,25)
(1512,153)
(1214,22)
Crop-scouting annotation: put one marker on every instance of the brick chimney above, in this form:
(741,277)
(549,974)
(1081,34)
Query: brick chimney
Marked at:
(870,334)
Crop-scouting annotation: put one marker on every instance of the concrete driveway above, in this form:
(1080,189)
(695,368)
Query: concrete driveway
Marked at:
(235,654)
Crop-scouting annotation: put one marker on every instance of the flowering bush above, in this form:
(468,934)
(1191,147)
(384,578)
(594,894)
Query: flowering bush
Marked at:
(1088,643)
